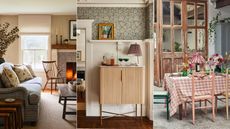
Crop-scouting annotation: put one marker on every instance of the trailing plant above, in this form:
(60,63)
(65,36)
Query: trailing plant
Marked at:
(7,37)
(212,24)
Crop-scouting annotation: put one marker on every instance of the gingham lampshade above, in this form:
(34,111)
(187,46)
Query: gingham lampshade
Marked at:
(197,58)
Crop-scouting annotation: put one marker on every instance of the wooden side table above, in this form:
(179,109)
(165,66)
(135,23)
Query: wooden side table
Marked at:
(13,116)
(18,104)
(6,118)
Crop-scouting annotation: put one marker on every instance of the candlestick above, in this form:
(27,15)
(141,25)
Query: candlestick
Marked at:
(60,39)
(56,39)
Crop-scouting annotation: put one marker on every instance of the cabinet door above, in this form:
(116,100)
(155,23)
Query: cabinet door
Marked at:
(133,84)
(110,85)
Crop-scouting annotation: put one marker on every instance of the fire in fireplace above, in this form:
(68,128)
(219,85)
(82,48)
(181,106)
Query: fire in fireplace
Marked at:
(71,74)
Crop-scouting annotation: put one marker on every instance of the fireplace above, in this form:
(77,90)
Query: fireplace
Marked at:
(71,74)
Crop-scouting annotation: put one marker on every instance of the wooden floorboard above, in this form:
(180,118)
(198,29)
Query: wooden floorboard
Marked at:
(113,123)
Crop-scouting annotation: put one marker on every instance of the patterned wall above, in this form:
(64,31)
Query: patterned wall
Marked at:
(130,23)
(149,21)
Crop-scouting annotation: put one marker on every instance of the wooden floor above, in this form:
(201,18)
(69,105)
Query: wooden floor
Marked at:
(115,123)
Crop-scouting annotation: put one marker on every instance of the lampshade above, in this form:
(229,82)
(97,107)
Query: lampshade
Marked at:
(135,49)
(197,58)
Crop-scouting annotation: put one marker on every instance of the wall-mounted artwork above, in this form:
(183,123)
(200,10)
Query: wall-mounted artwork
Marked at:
(106,31)
(72,30)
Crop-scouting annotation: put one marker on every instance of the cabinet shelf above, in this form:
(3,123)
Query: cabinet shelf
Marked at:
(63,46)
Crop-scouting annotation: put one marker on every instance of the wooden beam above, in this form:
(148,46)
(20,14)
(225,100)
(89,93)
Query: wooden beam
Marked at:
(222,3)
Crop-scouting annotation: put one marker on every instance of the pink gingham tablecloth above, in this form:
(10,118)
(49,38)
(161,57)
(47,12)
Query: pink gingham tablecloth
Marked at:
(180,88)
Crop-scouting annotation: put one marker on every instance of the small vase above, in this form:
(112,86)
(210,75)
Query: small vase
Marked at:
(218,69)
(2,60)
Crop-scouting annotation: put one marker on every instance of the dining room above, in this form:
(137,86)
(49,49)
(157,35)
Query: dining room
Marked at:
(191,61)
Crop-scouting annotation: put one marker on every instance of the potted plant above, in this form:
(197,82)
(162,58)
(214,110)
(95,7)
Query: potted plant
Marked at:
(215,62)
(6,38)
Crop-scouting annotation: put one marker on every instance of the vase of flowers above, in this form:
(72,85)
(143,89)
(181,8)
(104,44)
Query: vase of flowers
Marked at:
(6,38)
(215,62)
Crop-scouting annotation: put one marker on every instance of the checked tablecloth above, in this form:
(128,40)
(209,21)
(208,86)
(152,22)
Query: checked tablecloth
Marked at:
(180,88)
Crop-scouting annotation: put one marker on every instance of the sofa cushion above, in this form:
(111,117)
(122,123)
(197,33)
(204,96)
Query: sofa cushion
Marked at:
(35,80)
(34,91)
(9,78)
(23,73)
(31,70)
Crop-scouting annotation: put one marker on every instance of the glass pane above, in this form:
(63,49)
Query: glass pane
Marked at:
(166,40)
(201,40)
(191,40)
(34,42)
(166,12)
(28,57)
(177,14)
(155,11)
(178,46)
(39,56)
(200,14)
(190,14)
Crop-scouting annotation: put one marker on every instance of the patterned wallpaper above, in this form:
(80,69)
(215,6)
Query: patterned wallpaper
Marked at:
(129,23)
(149,21)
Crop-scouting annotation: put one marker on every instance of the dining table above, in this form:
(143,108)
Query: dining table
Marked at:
(180,89)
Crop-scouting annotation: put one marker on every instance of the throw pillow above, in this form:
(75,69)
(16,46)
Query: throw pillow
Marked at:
(23,73)
(31,70)
(9,78)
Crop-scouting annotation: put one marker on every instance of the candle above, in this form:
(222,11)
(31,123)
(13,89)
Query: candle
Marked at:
(226,53)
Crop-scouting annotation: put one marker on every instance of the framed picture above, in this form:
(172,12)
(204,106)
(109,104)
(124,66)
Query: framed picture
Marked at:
(106,31)
(78,55)
(72,30)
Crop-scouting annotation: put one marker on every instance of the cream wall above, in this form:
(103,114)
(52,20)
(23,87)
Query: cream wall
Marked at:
(13,49)
(60,25)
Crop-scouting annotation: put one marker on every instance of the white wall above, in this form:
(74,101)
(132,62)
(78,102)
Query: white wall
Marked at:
(225,12)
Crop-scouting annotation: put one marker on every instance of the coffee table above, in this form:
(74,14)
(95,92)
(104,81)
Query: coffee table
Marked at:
(66,94)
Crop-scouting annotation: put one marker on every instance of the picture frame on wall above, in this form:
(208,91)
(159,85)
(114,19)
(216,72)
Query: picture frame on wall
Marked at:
(72,30)
(106,31)
(78,55)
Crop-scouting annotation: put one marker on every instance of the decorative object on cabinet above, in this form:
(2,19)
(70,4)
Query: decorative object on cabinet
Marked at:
(135,49)
(78,55)
(106,31)
(65,41)
(72,30)
(116,87)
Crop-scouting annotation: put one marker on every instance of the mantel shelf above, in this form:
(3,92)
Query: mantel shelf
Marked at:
(63,46)
(114,41)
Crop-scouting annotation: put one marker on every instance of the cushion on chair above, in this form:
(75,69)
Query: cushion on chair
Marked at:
(160,93)
(9,77)
(23,73)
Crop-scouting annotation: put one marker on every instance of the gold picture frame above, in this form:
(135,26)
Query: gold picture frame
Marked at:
(106,31)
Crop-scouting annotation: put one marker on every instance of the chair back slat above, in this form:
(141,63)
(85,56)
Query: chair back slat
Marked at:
(50,68)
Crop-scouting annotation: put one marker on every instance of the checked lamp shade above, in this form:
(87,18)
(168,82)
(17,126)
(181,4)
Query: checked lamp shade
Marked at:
(135,49)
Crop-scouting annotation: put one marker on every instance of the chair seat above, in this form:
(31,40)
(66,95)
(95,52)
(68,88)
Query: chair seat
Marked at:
(224,94)
(160,93)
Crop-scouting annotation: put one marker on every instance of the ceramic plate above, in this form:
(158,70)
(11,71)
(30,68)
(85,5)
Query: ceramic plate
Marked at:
(9,100)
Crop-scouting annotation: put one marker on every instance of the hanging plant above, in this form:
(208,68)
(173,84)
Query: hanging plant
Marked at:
(7,37)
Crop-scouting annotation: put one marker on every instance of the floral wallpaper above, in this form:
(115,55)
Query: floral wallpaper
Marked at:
(129,23)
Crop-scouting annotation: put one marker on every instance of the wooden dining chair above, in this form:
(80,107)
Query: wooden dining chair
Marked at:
(224,97)
(52,74)
(203,89)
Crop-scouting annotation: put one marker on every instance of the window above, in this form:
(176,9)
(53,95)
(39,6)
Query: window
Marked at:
(34,50)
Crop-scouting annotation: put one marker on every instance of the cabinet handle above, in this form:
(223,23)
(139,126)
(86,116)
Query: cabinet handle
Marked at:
(121,76)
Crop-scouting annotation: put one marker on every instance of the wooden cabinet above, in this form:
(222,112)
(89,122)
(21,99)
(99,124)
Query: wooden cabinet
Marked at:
(121,85)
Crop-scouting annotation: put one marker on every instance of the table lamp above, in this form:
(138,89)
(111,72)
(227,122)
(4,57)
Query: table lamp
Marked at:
(197,59)
(135,49)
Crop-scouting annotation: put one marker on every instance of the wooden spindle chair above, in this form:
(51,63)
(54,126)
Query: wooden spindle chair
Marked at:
(53,74)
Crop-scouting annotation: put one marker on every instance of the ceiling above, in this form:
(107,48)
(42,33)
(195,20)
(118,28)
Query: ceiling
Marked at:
(55,7)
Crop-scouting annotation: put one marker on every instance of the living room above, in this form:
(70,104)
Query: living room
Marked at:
(42,31)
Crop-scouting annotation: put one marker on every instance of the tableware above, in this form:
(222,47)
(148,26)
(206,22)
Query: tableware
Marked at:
(9,100)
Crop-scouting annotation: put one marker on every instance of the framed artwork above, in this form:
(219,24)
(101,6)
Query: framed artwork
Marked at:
(106,31)
(78,55)
(72,30)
